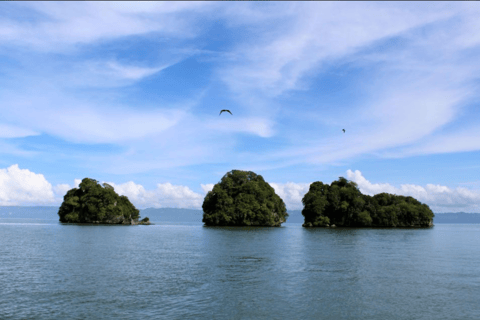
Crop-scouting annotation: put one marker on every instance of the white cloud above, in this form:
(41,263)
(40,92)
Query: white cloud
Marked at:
(58,25)
(106,73)
(438,198)
(23,187)
(101,126)
(291,193)
(13,149)
(88,122)
(253,125)
(207,187)
(418,86)
(165,195)
(130,72)
(9,131)
(61,189)
(76,183)
(318,32)
(408,115)
(463,140)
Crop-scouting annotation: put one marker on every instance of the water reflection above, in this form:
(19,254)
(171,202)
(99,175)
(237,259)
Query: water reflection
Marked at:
(191,271)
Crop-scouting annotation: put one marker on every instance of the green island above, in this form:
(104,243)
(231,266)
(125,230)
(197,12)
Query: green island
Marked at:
(243,198)
(99,204)
(342,204)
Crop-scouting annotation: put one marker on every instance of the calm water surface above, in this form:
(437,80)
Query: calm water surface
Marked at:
(188,271)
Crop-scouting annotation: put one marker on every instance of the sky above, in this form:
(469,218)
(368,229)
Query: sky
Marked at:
(130,94)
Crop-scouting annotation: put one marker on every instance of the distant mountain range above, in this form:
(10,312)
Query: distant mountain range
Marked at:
(192,215)
(29,212)
(456,217)
(451,217)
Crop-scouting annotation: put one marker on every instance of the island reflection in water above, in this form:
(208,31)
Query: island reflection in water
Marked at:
(186,270)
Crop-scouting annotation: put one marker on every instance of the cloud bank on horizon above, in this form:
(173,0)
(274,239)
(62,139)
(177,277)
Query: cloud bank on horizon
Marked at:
(23,187)
(123,91)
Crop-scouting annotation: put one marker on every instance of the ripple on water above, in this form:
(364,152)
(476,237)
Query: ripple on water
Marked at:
(52,271)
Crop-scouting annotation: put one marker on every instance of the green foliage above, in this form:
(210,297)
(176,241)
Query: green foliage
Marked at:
(92,203)
(343,204)
(243,198)
(399,211)
(145,220)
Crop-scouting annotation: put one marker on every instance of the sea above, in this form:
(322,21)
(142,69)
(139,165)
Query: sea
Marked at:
(184,270)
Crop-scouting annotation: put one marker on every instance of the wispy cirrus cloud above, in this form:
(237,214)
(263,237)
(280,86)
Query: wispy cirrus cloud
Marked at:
(262,127)
(320,32)
(401,78)
(12,131)
(101,73)
(129,72)
(419,84)
(87,121)
(8,148)
(58,26)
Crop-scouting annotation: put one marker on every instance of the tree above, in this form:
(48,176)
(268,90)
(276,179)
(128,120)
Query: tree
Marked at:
(343,204)
(243,198)
(92,203)
(315,202)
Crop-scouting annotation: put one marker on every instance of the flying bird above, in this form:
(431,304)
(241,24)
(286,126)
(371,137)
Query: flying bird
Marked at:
(225,111)
(343,130)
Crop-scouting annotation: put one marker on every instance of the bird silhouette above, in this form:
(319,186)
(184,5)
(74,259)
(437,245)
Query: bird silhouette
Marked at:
(225,110)
(343,130)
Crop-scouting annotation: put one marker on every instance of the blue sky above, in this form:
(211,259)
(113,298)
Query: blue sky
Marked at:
(130,94)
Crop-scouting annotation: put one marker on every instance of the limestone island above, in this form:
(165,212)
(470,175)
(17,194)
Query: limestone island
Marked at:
(243,198)
(99,204)
(342,204)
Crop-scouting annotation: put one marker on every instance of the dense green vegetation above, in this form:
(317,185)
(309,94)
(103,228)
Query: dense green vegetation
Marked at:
(342,204)
(94,203)
(243,198)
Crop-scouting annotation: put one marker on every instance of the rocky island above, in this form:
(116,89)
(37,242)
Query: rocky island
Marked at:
(342,204)
(243,198)
(100,204)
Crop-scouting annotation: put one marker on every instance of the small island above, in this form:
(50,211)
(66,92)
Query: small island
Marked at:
(99,204)
(243,198)
(342,204)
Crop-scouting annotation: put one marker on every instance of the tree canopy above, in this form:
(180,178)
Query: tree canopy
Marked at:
(94,203)
(243,198)
(341,203)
